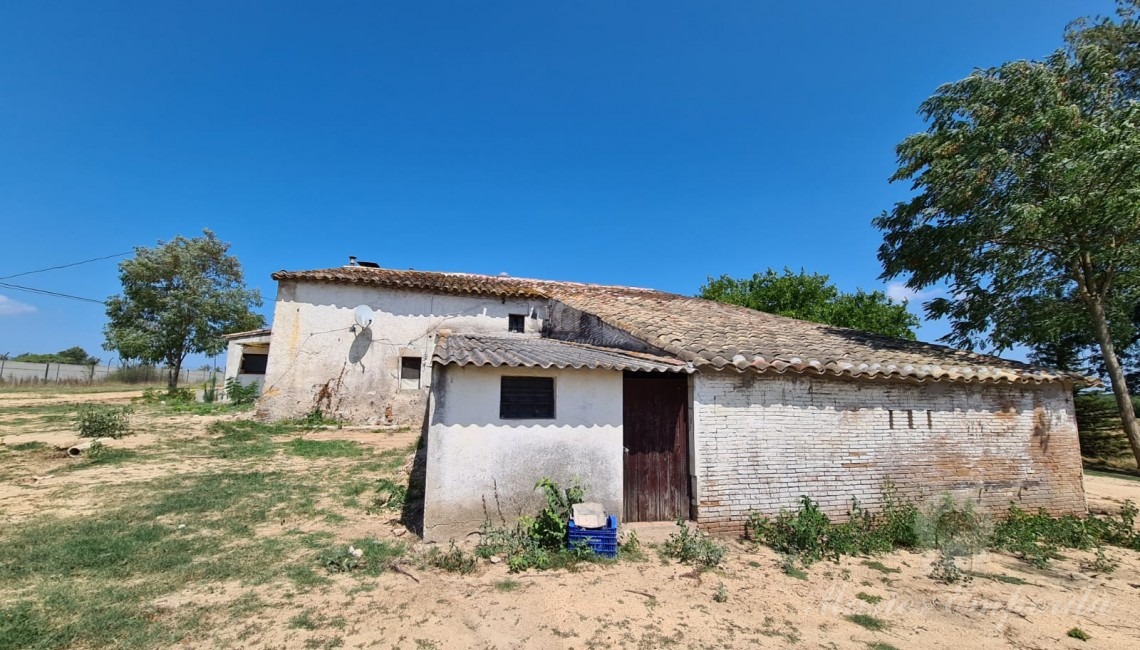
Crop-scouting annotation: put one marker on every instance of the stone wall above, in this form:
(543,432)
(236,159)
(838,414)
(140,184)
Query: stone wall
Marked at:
(761,442)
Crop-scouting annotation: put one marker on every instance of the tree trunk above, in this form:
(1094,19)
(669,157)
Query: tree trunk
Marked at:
(177,370)
(1116,376)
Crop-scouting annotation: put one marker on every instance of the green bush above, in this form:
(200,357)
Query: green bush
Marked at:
(154,395)
(1037,538)
(240,395)
(104,421)
(692,546)
(538,542)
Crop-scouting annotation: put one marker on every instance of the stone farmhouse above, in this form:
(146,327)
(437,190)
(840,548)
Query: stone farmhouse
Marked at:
(662,406)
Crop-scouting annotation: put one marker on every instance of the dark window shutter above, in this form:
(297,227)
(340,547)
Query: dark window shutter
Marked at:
(526,398)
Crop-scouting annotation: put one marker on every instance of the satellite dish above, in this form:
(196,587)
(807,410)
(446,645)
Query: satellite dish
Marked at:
(363,316)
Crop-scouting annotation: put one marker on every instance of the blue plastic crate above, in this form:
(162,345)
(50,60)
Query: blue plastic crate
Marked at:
(602,541)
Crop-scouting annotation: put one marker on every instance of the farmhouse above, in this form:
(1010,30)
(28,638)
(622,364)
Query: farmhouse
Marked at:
(662,406)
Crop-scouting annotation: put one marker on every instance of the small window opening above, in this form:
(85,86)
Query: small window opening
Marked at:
(253,364)
(910,419)
(516,323)
(410,373)
(891,418)
(929,421)
(526,398)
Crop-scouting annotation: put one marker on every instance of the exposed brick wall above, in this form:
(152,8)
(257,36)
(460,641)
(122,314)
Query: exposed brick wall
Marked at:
(761,442)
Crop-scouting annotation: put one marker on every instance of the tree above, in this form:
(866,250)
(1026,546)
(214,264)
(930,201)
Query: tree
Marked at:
(75,355)
(814,298)
(179,298)
(1027,201)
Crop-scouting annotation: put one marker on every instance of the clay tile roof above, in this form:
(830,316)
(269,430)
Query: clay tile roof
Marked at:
(532,352)
(712,335)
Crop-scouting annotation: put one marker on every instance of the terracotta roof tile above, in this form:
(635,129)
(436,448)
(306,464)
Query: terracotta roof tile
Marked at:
(715,335)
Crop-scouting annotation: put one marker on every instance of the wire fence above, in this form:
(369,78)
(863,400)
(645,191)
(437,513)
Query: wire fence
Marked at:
(23,372)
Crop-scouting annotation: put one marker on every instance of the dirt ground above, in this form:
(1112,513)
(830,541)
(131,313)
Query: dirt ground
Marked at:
(653,603)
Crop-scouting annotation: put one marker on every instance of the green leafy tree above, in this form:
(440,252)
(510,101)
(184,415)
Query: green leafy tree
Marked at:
(814,298)
(75,355)
(1027,200)
(179,298)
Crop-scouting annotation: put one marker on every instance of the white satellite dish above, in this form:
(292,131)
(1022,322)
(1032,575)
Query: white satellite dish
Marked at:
(363,316)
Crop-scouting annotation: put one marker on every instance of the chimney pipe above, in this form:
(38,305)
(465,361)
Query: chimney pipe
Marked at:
(352,260)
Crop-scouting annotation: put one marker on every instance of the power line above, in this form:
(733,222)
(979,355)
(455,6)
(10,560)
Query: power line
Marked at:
(64,266)
(45,292)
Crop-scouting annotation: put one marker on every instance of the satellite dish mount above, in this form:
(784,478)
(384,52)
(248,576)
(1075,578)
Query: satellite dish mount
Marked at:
(363,316)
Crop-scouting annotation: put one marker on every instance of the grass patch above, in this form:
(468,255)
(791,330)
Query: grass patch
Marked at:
(324,448)
(868,598)
(868,621)
(880,567)
(880,645)
(103,570)
(999,577)
(33,445)
(306,620)
(508,585)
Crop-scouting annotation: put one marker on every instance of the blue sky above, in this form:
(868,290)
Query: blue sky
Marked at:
(641,143)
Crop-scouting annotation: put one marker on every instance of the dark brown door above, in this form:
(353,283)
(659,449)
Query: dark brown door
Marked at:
(656,424)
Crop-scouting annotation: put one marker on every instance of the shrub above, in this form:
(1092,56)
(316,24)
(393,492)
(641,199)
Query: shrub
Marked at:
(240,395)
(693,546)
(538,542)
(167,395)
(104,421)
(809,535)
(389,494)
(551,527)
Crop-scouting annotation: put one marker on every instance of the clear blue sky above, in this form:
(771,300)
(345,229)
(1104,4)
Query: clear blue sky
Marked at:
(641,143)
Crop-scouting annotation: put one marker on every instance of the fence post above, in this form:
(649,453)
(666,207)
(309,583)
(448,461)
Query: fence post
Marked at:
(47,366)
(3,360)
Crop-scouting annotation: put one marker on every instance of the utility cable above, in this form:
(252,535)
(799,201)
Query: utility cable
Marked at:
(45,292)
(64,266)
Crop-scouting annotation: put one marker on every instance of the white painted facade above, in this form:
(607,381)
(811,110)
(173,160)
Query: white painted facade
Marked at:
(481,467)
(321,359)
(236,347)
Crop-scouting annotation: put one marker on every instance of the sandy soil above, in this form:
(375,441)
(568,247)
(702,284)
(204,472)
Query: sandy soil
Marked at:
(648,604)
(38,399)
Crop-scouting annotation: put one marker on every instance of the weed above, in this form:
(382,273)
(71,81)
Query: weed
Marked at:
(721,594)
(880,645)
(693,546)
(104,421)
(790,569)
(1100,564)
(507,585)
(1078,633)
(945,569)
(389,495)
(868,621)
(154,395)
(339,559)
(868,598)
(550,528)
(453,560)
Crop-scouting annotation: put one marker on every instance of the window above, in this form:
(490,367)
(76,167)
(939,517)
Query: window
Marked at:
(516,323)
(410,373)
(253,364)
(526,398)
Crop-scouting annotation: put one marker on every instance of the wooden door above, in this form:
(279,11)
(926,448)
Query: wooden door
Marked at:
(656,433)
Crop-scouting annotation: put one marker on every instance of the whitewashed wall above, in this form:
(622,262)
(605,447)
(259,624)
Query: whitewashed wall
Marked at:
(480,466)
(761,442)
(318,361)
